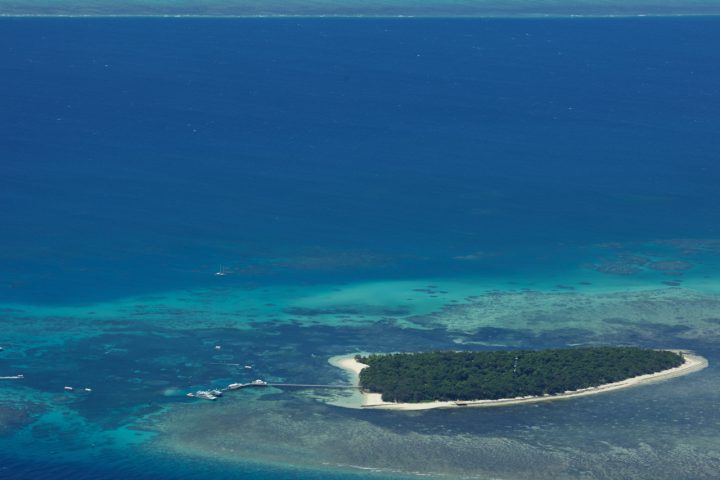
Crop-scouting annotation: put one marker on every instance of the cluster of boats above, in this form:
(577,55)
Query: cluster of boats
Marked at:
(206,394)
(215,393)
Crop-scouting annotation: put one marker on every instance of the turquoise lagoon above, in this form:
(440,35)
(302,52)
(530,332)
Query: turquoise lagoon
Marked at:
(140,355)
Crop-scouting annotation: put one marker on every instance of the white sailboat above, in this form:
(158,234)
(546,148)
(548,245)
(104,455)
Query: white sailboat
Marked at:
(221,272)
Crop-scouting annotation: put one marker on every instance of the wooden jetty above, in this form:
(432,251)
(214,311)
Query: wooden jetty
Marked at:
(207,394)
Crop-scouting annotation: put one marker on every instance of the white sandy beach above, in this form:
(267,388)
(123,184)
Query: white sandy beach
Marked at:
(693,363)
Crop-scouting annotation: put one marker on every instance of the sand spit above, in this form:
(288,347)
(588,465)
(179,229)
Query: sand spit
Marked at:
(693,363)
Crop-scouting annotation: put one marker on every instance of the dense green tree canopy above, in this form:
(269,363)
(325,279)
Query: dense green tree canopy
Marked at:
(429,376)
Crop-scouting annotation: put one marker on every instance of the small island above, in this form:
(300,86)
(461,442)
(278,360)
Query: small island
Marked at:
(414,381)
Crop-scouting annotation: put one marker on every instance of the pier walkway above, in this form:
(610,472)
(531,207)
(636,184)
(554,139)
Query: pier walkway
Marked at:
(213,394)
(307,385)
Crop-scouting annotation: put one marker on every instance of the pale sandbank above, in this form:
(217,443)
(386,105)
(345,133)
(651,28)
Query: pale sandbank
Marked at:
(693,363)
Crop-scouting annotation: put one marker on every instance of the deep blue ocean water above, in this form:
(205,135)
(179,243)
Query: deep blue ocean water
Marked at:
(138,150)
(138,155)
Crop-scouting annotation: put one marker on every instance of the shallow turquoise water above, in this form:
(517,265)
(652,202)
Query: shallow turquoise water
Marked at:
(140,366)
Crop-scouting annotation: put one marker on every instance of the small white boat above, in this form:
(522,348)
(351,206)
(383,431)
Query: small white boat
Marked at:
(217,347)
(234,386)
(259,382)
(88,389)
(68,389)
(217,393)
(221,272)
(249,367)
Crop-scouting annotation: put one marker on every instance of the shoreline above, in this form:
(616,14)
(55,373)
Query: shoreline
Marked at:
(693,363)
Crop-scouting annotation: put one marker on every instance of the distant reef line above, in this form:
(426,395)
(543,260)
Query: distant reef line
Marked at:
(357,8)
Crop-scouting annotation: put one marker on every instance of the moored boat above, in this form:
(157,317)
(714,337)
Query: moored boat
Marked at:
(206,395)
